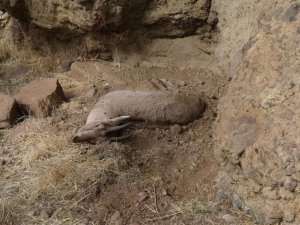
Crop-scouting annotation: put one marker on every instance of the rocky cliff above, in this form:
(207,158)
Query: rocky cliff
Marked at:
(258,128)
(66,18)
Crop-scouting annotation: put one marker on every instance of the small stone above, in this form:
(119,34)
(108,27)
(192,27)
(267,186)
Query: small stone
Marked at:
(182,83)
(44,214)
(40,97)
(237,203)
(289,84)
(166,192)
(247,209)
(273,210)
(285,194)
(60,123)
(82,151)
(75,92)
(143,196)
(228,218)
(296,176)
(102,211)
(290,184)
(175,129)
(181,142)
(266,104)
(2,162)
(33,213)
(84,71)
(100,156)
(85,109)
(268,193)
(157,179)
(106,86)
(289,213)
(91,92)
(116,219)
(220,196)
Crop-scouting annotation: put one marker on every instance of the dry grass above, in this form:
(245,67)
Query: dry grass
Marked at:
(48,173)
(16,54)
(201,210)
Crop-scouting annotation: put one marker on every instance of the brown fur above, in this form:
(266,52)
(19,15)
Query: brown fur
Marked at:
(153,106)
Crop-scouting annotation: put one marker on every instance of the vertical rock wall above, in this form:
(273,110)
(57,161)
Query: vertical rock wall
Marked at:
(257,132)
(76,17)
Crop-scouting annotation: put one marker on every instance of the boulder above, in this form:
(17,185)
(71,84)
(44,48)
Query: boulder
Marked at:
(85,71)
(40,97)
(88,91)
(258,128)
(175,18)
(9,110)
(74,17)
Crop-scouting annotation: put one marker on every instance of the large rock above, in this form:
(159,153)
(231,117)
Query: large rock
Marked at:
(258,142)
(69,17)
(40,97)
(9,110)
(76,17)
(176,18)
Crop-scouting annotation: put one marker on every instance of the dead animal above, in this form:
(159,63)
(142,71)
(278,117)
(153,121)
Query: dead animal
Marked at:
(117,107)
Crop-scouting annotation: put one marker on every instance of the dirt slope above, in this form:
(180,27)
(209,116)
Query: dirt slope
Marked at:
(162,175)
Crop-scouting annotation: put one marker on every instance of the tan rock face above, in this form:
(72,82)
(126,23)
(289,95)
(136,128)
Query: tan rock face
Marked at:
(40,97)
(176,18)
(9,110)
(69,17)
(258,129)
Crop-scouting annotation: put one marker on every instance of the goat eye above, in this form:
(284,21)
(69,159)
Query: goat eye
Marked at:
(97,125)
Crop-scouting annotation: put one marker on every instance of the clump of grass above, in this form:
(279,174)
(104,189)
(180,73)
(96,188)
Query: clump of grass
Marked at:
(5,212)
(60,179)
(188,208)
(194,207)
(16,52)
(49,172)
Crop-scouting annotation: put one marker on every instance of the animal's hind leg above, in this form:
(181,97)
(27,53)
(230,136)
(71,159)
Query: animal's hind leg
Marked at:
(162,84)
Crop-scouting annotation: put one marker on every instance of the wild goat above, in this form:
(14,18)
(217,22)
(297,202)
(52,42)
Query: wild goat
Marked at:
(117,107)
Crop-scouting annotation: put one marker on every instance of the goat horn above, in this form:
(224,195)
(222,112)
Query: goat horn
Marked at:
(116,120)
(117,127)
